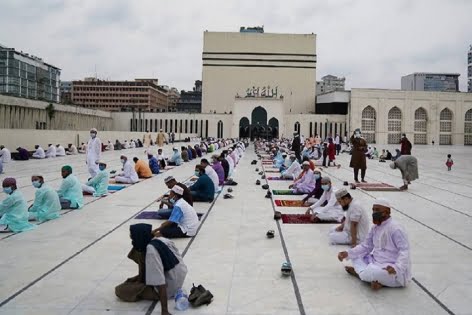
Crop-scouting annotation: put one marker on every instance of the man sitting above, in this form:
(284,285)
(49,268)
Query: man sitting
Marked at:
(220,172)
(161,159)
(23,154)
(13,209)
(153,164)
(165,208)
(383,258)
(51,152)
(183,220)
(211,173)
(60,151)
(5,154)
(184,154)
(72,149)
(70,192)
(83,148)
(294,170)
(46,205)
(161,269)
(98,185)
(305,182)
(142,168)
(175,159)
(39,153)
(355,227)
(316,193)
(203,189)
(332,211)
(128,175)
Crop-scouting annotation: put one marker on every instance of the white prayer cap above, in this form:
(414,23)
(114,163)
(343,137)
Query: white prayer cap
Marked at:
(178,190)
(93,130)
(306,163)
(168,179)
(382,202)
(325,179)
(292,156)
(101,162)
(392,165)
(341,193)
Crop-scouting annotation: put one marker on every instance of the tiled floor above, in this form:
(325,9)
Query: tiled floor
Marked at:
(71,265)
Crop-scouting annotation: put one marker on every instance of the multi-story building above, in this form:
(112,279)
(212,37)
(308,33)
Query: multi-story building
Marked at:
(66,92)
(140,95)
(191,101)
(173,96)
(469,70)
(28,76)
(434,82)
(330,83)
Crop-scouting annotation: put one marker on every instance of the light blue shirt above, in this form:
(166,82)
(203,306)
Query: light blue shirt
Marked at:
(46,204)
(176,158)
(100,183)
(14,212)
(71,189)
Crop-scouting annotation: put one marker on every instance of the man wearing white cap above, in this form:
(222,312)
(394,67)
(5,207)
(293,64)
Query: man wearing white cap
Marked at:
(161,137)
(355,227)
(183,220)
(94,152)
(306,183)
(294,170)
(128,175)
(332,211)
(383,258)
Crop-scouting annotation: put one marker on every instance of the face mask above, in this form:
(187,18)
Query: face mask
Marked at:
(377,217)
(36,183)
(325,187)
(101,167)
(7,190)
(345,208)
(123,161)
(172,200)
(93,135)
(197,173)
(317,176)
(357,135)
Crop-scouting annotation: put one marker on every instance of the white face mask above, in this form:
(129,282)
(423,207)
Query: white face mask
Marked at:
(93,135)
(123,161)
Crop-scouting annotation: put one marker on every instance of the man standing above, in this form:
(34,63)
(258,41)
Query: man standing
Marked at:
(94,152)
(337,142)
(355,227)
(161,137)
(408,166)
(296,146)
(405,148)
(358,159)
(147,139)
(383,258)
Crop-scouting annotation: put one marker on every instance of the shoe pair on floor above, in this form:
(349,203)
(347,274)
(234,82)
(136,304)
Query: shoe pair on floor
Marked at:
(199,296)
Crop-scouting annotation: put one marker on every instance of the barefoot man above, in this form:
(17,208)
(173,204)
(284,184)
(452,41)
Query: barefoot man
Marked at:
(383,258)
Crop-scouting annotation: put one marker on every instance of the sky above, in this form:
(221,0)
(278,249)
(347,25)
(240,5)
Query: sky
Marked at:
(370,42)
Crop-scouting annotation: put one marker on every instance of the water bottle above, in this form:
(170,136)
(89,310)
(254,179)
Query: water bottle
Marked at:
(181,300)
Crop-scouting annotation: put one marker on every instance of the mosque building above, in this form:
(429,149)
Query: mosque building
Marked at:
(258,84)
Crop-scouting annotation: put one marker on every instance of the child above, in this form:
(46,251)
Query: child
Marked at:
(449,162)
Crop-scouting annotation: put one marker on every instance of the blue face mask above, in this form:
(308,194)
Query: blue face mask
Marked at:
(7,190)
(102,167)
(36,183)
(317,176)
(172,200)
(197,173)
(325,187)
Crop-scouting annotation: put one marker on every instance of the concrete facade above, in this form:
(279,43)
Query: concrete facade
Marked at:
(257,65)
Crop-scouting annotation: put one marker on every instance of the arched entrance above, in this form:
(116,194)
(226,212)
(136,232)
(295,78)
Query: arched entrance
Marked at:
(259,127)
(244,127)
(274,127)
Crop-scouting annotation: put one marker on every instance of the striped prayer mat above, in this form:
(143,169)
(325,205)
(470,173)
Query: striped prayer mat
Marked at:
(284,192)
(376,187)
(300,219)
(289,203)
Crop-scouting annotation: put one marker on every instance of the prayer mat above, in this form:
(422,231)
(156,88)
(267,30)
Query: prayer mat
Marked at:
(278,178)
(272,171)
(86,193)
(169,167)
(289,203)
(115,187)
(301,219)
(153,215)
(284,192)
(376,187)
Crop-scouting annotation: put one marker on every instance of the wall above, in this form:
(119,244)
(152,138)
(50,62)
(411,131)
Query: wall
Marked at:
(27,138)
(234,62)
(408,102)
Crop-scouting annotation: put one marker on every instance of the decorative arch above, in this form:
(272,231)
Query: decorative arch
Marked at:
(259,116)
(244,127)
(445,127)
(468,127)
(421,126)
(274,127)
(368,125)
(220,130)
(394,125)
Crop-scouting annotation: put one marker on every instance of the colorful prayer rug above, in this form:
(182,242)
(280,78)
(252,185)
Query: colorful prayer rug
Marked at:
(284,192)
(300,219)
(289,203)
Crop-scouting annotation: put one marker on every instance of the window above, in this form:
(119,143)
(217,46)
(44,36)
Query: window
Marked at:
(394,125)
(468,128)
(445,127)
(369,124)
(420,126)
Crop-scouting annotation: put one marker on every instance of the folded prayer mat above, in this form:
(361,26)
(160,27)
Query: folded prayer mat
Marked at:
(301,219)
(284,192)
(289,203)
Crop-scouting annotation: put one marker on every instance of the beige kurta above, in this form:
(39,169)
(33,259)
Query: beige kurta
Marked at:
(147,140)
(161,137)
